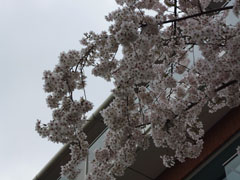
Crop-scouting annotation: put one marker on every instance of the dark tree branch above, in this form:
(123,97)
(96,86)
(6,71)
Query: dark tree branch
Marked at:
(226,85)
(175,15)
(196,15)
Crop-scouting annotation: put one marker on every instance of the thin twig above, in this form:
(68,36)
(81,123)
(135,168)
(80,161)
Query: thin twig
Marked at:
(200,6)
(193,56)
(69,90)
(175,15)
(82,73)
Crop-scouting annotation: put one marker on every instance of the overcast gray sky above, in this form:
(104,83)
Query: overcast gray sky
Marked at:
(32,34)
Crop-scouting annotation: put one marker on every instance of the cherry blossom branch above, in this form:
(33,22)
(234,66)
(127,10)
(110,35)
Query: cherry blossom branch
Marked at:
(85,55)
(82,66)
(170,105)
(195,103)
(196,15)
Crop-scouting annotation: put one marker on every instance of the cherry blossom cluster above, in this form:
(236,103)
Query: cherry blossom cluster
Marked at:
(68,117)
(161,84)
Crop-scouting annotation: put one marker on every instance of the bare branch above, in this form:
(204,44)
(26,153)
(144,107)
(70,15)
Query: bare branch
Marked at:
(196,15)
